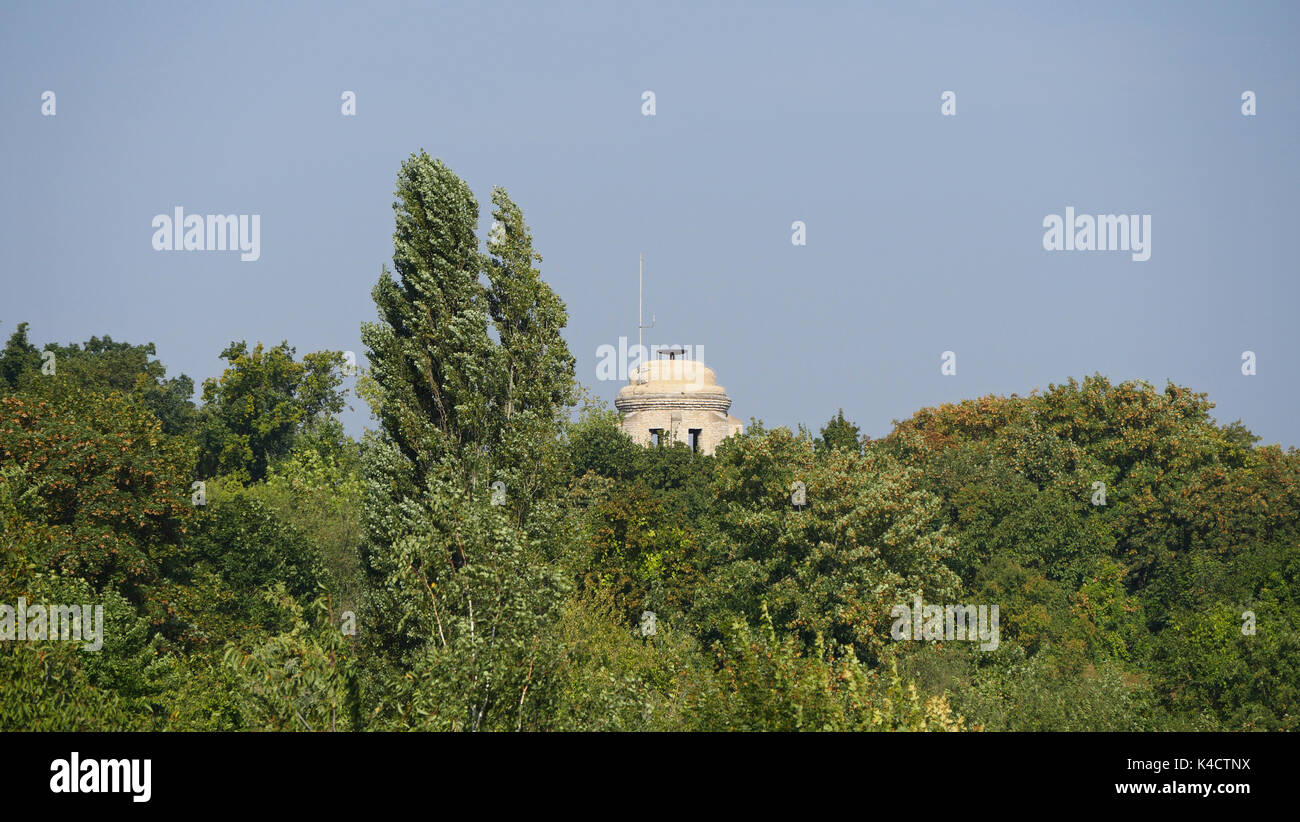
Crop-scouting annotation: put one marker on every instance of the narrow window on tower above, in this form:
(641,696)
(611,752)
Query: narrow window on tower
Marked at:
(656,436)
(695,438)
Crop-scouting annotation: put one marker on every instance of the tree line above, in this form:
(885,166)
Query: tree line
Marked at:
(482,559)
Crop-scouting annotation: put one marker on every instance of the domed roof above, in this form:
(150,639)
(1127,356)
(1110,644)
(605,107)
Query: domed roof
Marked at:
(684,383)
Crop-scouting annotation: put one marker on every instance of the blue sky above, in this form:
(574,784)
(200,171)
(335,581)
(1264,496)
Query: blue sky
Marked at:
(924,232)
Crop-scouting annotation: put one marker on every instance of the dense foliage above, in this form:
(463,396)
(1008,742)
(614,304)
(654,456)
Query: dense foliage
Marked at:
(485,557)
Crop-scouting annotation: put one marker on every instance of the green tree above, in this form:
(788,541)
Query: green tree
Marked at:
(320,496)
(239,539)
(302,679)
(430,355)
(459,590)
(261,403)
(114,490)
(19,359)
(766,682)
(598,445)
(865,538)
(838,433)
(103,366)
(533,368)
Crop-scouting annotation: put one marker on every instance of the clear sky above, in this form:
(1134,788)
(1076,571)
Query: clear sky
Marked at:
(924,231)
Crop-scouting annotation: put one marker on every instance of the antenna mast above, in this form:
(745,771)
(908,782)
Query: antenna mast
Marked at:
(640,282)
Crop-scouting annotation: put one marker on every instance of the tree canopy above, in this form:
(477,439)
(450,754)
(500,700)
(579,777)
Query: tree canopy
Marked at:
(497,554)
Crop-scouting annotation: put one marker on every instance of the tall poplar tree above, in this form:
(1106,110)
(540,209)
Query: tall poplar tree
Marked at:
(430,354)
(534,369)
(459,594)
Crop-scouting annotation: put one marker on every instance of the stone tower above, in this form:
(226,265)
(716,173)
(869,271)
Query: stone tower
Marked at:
(676,400)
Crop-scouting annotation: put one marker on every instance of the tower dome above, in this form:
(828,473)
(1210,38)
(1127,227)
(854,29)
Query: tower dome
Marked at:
(676,400)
